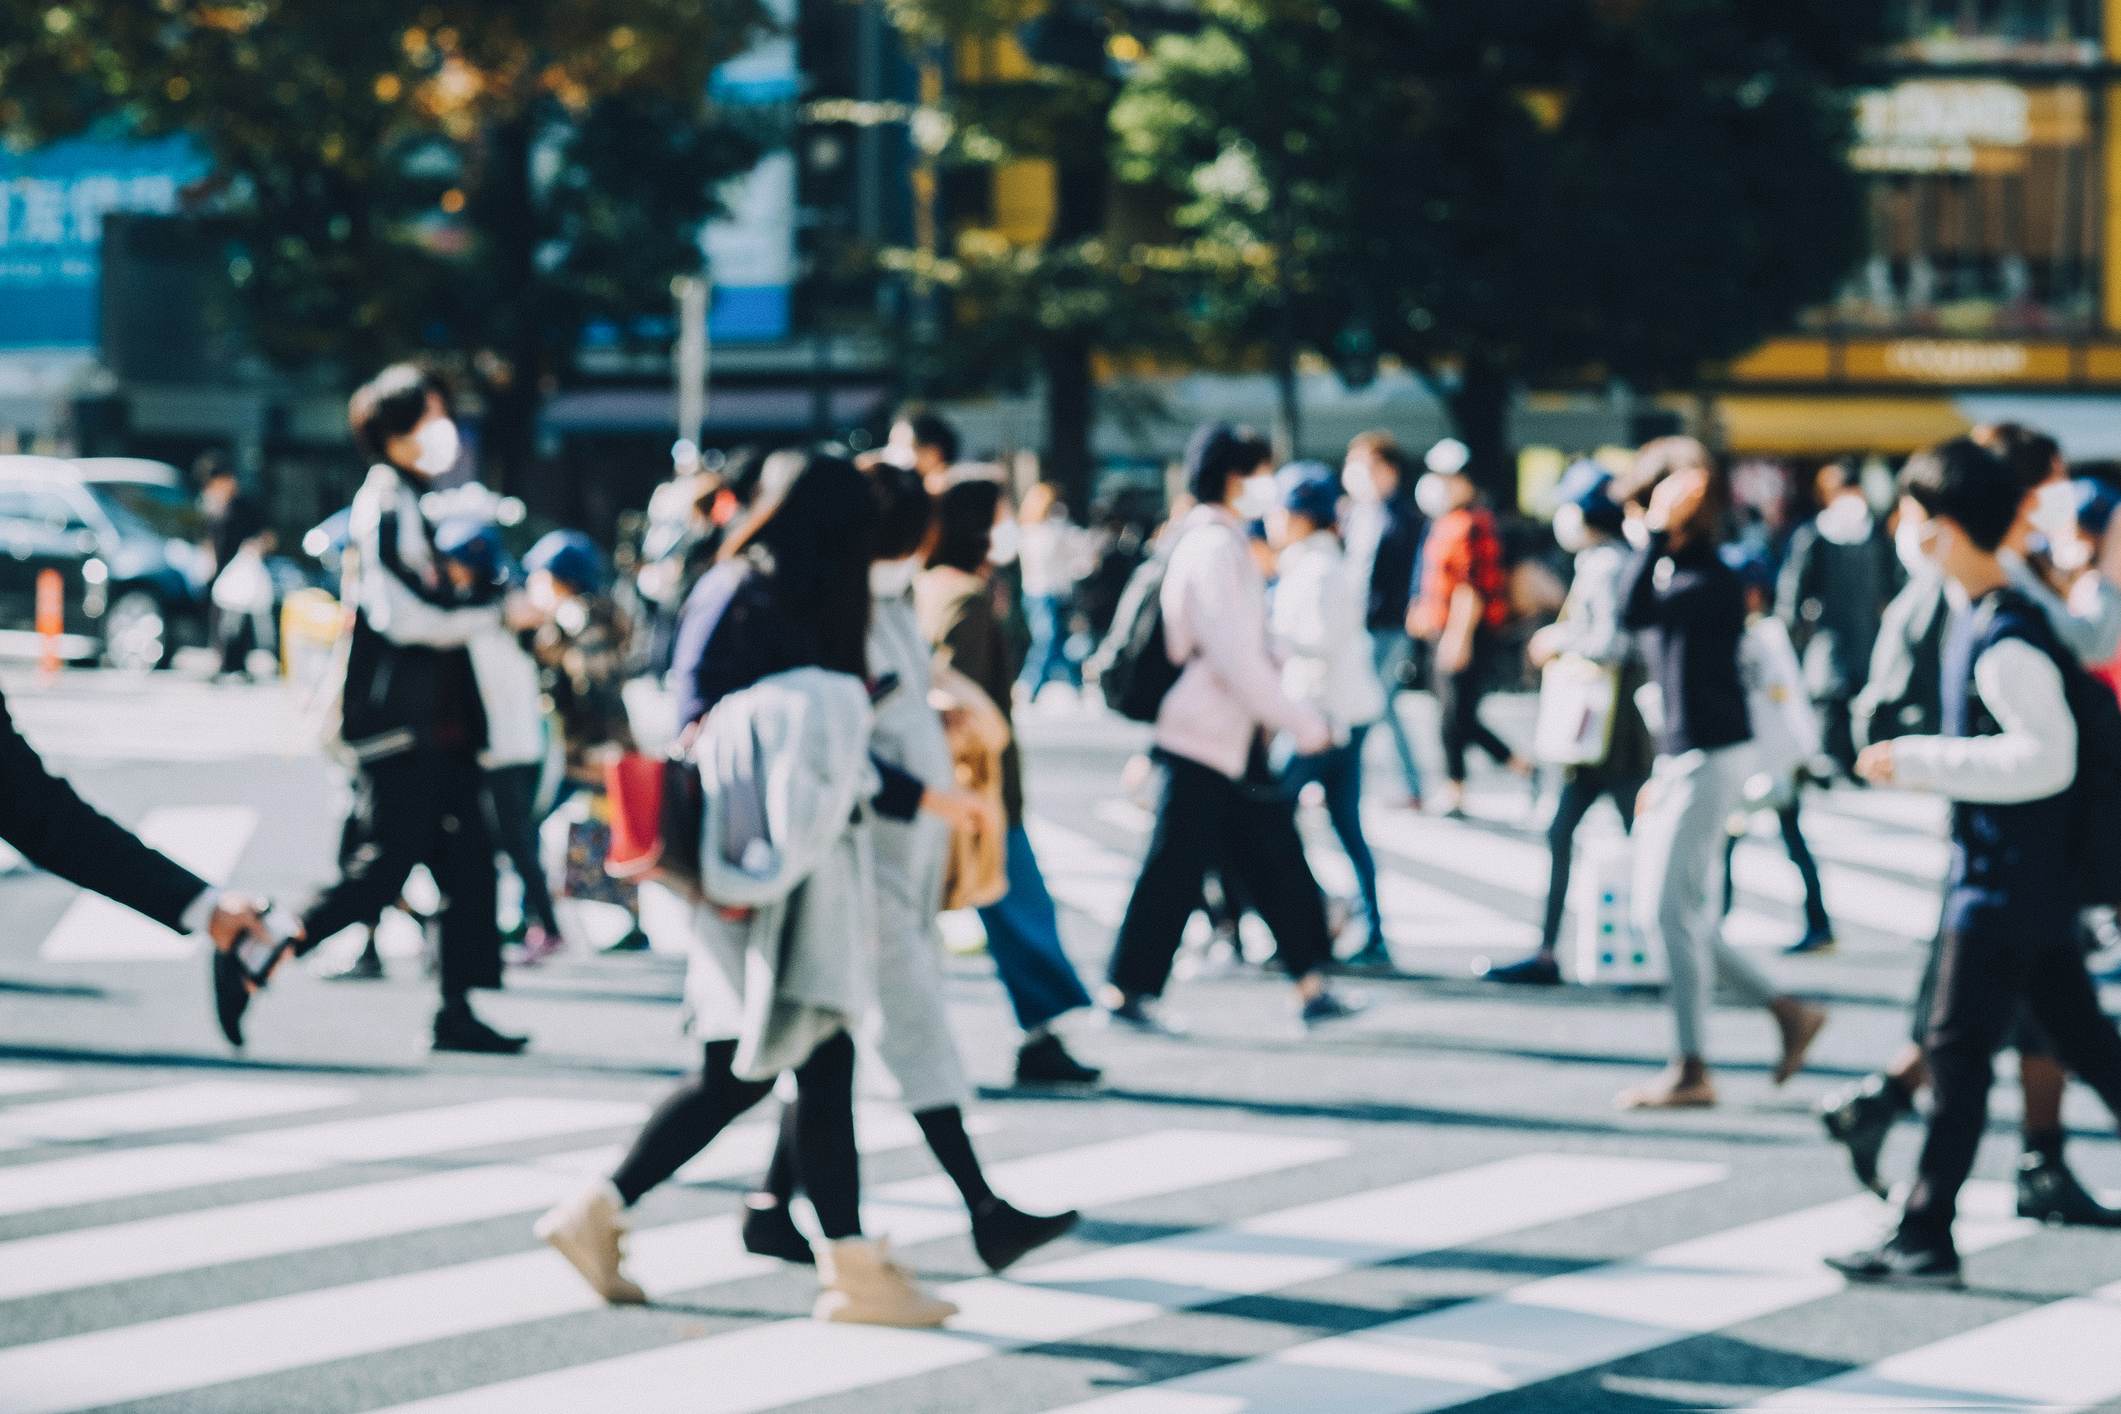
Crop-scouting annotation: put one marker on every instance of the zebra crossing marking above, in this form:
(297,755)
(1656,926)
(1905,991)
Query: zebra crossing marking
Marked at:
(206,839)
(185,1106)
(1557,1326)
(2055,1359)
(272,1153)
(764,1367)
(25,1080)
(273,1227)
(180,1353)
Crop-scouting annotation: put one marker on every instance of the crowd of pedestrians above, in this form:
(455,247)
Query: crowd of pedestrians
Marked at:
(846,643)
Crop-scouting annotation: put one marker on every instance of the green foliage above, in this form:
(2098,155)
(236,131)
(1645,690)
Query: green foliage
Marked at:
(479,178)
(1512,193)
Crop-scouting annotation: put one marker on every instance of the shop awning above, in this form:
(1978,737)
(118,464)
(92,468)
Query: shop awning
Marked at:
(1830,426)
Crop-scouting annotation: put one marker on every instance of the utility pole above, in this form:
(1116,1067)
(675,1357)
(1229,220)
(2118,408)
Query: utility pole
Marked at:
(692,351)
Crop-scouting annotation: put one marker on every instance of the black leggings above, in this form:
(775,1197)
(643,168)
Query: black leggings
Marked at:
(1458,703)
(689,1119)
(511,809)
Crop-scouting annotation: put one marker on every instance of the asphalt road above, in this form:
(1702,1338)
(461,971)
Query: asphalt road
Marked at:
(1434,1206)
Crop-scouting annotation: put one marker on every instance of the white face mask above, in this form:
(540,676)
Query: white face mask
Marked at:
(2071,554)
(1432,493)
(1361,481)
(438,446)
(1569,532)
(1907,544)
(2054,512)
(1257,500)
(890,579)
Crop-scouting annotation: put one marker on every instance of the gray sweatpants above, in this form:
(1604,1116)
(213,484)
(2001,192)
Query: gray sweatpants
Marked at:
(1679,848)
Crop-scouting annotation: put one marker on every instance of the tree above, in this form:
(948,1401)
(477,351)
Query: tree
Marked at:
(478,179)
(1515,195)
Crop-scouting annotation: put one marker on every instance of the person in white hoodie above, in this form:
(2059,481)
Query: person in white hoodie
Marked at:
(1220,804)
(1318,614)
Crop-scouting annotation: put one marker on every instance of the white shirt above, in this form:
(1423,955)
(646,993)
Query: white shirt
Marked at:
(2032,757)
(1319,608)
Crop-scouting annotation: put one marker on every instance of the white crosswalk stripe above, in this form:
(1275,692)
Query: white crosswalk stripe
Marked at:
(208,840)
(493,1159)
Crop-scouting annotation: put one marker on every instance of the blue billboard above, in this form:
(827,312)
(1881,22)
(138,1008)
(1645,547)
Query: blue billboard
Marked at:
(52,204)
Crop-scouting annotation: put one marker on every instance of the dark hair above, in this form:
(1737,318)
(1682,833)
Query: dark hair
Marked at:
(2029,455)
(1217,452)
(819,536)
(1666,457)
(1968,484)
(932,429)
(964,518)
(390,405)
(904,510)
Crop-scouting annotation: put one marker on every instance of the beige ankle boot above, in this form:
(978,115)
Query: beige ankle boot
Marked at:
(864,1286)
(589,1230)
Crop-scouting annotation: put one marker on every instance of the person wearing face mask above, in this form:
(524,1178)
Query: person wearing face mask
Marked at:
(954,604)
(1688,609)
(1384,531)
(412,719)
(1834,585)
(1221,804)
(1861,1117)
(1588,525)
(2083,606)
(2017,707)
(1462,610)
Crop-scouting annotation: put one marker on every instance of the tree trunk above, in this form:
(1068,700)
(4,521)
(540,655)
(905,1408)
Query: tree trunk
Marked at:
(1288,398)
(513,402)
(1071,411)
(1479,405)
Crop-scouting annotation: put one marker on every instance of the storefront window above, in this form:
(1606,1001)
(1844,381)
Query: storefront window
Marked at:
(2014,31)
(1983,210)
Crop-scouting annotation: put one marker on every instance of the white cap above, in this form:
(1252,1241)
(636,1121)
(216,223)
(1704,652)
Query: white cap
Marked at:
(1448,457)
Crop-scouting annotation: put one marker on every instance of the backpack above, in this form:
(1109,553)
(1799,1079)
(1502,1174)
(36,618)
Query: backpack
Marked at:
(1133,667)
(2095,796)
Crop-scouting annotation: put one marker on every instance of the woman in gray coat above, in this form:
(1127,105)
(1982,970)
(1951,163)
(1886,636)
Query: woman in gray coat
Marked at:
(911,1034)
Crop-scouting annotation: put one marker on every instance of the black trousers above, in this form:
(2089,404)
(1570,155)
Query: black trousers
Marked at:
(1578,794)
(1204,819)
(511,804)
(421,807)
(1995,959)
(1800,853)
(822,1128)
(1458,702)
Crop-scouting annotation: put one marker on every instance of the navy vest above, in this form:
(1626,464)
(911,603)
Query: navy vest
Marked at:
(2018,853)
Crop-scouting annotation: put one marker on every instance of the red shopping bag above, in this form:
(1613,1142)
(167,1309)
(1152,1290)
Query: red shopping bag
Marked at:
(634,785)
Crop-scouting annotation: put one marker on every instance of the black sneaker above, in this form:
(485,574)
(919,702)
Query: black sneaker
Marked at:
(1373,956)
(1043,1060)
(231,994)
(458,1029)
(1328,1007)
(770,1232)
(1902,1261)
(1859,1119)
(2048,1192)
(1812,944)
(1002,1234)
(368,967)
(1538,970)
(1140,1014)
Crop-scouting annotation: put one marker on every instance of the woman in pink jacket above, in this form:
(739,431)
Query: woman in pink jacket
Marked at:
(1220,806)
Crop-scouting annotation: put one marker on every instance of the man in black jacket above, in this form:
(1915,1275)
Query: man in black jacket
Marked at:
(56,830)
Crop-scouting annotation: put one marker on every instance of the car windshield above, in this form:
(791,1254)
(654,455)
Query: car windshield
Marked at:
(138,507)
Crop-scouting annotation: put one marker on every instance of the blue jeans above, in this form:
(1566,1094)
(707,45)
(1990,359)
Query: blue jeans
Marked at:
(1338,771)
(1389,650)
(1049,657)
(1023,938)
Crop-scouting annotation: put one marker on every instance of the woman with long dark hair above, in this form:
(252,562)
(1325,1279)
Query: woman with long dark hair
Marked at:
(1689,608)
(791,592)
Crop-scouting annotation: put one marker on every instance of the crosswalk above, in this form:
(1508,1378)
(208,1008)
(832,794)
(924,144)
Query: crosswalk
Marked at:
(396,1234)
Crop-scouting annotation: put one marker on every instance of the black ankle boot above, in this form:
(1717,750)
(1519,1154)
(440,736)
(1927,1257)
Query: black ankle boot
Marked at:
(458,1028)
(1002,1234)
(1860,1118)
(2048,1192)
(770,1232)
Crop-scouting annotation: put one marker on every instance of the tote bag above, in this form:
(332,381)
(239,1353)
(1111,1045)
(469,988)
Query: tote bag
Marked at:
(1578,699)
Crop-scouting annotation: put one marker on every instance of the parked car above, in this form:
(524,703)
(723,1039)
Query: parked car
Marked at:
(131,590)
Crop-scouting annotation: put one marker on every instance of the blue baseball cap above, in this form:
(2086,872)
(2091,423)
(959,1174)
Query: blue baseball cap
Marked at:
(570,557)
(1311,490)
(1751,567)
(476,545)
(2096,503)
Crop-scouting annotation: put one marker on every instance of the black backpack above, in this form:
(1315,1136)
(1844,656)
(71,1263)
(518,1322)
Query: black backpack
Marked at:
(1133,667)
(2095,797)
